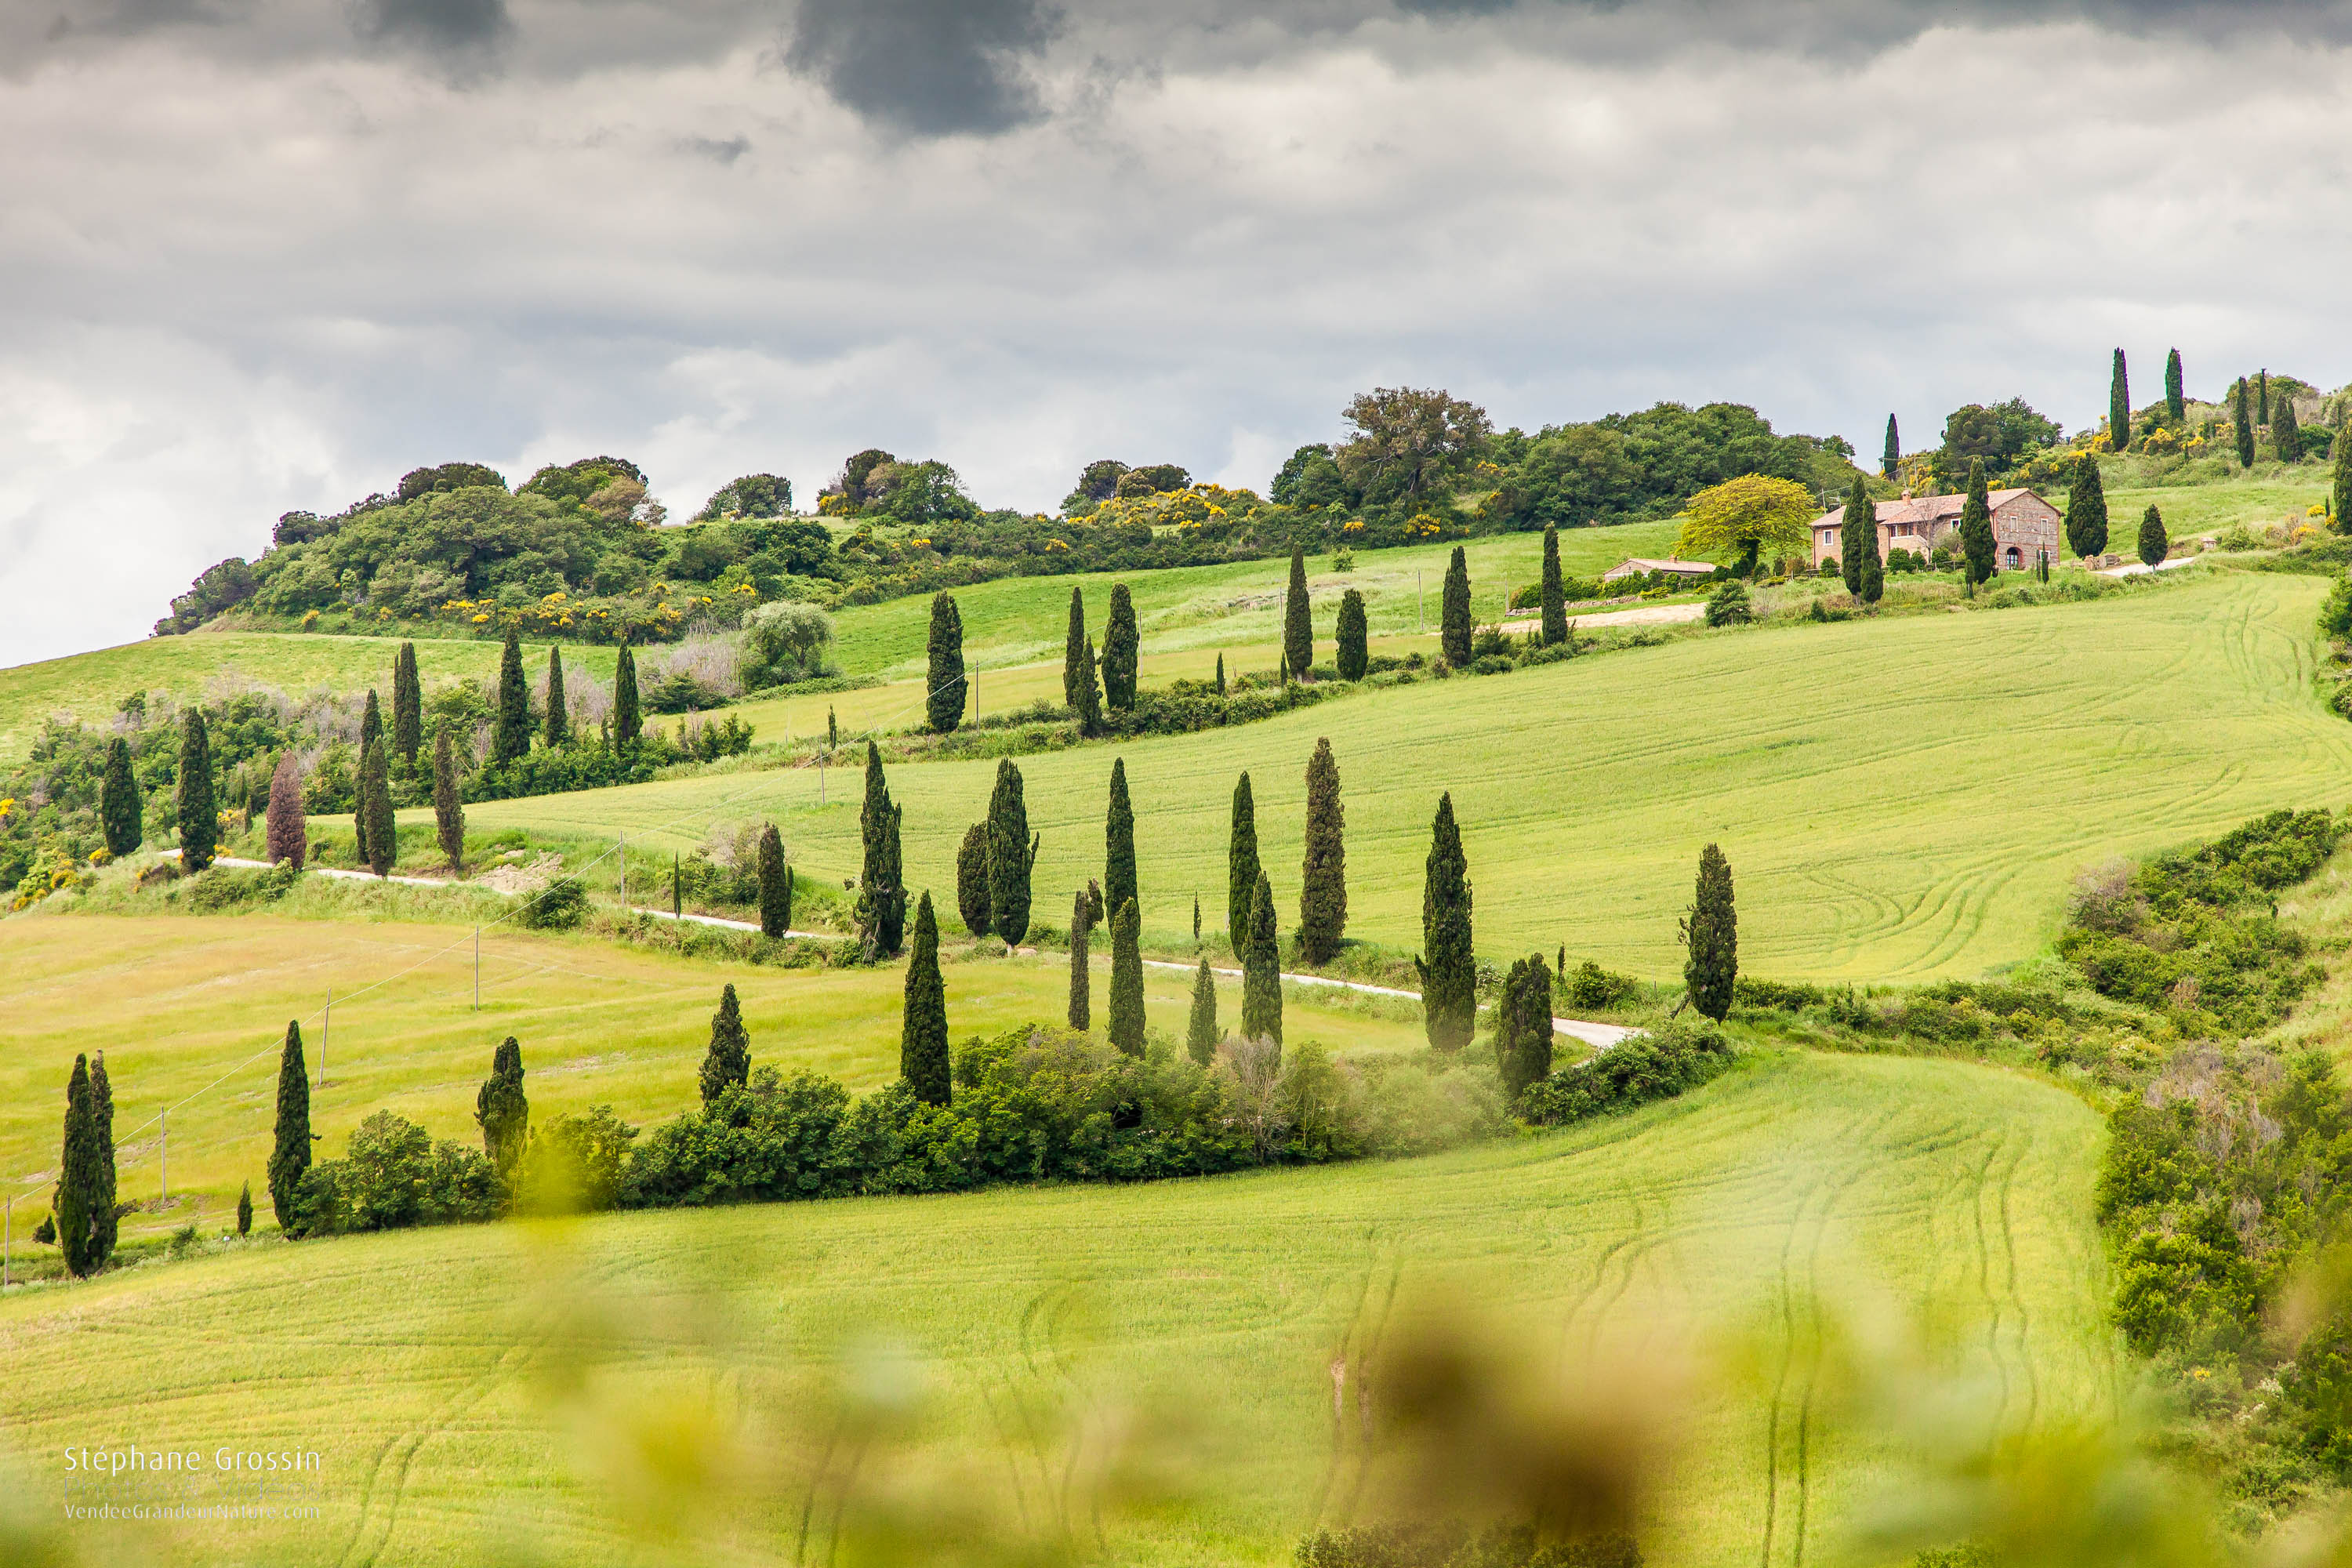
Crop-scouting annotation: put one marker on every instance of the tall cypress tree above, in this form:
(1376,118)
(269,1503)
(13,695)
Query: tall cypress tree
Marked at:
(102,1217)
(1201,1029)
(972,879)
(559,714)
(775,885)
(881,900)
(1298,622)
(1523,1032)
(375,805)
(76,1159)
(363,809)
(502,1111)
(2262,397)
(2245,426)
(1857,534)
(1555,591)
(407,705)
(946,694)
(1119,886)
(1448,963)
(1011,854)
(119,805)
(923,1030)
(1122,651)
(510,730)
(370,722)
(245,1209)
(2118,405)
(1262,970)
(1090,704)
(1075,646)
(629,719)
(1081,1013)
(1352,637)
(1454,624)
(1873,577)
(198,811)
(1977,543)
(1241,867)
(2339,490)
(448,808)
(1126,1022)
(2176,402)
(2086,509)
(891,912)
(1221,675)
(1323,875)
(289,1155)
(287,835)
(2286,431)
(727,1062)
(2155,544)
(1710,934)
(1890,458)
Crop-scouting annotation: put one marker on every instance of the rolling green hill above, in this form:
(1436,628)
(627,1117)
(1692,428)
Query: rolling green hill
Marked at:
(477,1395)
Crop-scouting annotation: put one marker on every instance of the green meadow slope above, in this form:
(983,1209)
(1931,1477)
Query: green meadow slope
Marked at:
(477,1394)
(1900,799)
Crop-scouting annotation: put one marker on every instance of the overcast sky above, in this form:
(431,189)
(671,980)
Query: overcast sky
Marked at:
(258,254)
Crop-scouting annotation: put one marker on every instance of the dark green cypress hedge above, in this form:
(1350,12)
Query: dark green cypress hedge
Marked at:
(1241,867)
(1081,1011)
(628,718)
(1555,591)
(923,1031)
(972,879)
(407,705)
(1453,626)
(1857,534)
(2176,402)
(1011,854)
(1352,637)
(1200,1035)
(118,805)
(1262,970)
(511,730)
(944,697)
(501,1111)
(1122,651)
(76,1159)
(1323,875)
(1977,543)
(775,885)
(375,805)
(1119,885)
(196,809)
(1710,934)
(2086,509)
(1448,962)
(2245,426)
(2118,405)
(448,806)
(2286,431)
(1126,1022)
(1297,623)
(727,1062)
(2155,544)
(289,1154)
(1077,661)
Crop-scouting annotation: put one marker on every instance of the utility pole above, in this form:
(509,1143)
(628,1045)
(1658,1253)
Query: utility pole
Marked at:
(163,1118)
(624,873)
(7,1237)
(477,969)
(326,1033)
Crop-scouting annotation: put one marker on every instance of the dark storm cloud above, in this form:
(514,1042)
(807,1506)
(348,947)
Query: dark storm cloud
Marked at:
(927,68)
(443,25)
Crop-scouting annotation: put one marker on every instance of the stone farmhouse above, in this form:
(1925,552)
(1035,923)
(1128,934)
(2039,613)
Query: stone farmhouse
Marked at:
(2023,527)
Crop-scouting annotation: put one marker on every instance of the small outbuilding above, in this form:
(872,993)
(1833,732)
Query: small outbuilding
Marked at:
(2024,527)
(1636,567)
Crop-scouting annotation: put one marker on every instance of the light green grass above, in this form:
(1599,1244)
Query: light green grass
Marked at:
(437,1371)
(1900,799)
(2270,496)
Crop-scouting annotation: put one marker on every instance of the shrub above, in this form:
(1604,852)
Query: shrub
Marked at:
(561,905)
(1671,1057)
(1452,1544)
(394,1176)
(575,1163)
(1729,606)
(1591,987)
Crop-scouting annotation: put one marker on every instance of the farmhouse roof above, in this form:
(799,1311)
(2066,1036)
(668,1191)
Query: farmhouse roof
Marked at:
(1923,509)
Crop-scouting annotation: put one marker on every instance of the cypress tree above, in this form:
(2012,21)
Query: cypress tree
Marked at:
(923,1032)
(1874,576)
(370,722)
(1196,920)
(1262,970)
(102,1217)
(2086,509)
(2339,494)
(510,730)
(1976,526)
(891,912)
(1890,458)
(972,879)
(1081,981)
(76,1160)
(2175,402)
(881,900)
(1201,1030)
(1449,963)
(286,834)
(119,806)
(1857,534)
(1453,626)
(290,1153)
(449,811)
(2262,397)
(559,715)
(944,699)
(1241,867)
(1710,932)
(1012,854)
(363,808)
(1126,1022)
(375,804)
(1221,675)
(1555,593)
(1323,875)
(1122,651)
(2286,431)
(2155,544)
(1119,885)
(775,886)
(1523,1033)
(1353,655)
(245,1209)
(407,705)
(501,1109)
(198,813)
(2245,427)
(1089,705)
(1076,665)
(628,719)
(1297,623)
(2118,405)
(728,1063)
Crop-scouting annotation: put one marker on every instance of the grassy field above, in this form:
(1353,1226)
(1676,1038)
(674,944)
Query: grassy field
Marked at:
(509,1393)
(1900,799)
